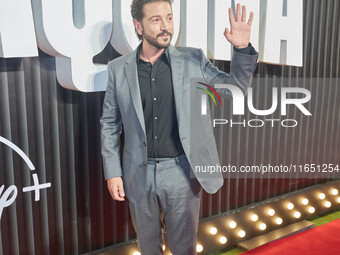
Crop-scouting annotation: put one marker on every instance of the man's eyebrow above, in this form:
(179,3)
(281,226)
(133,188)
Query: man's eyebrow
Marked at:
(154,16)
(158,16)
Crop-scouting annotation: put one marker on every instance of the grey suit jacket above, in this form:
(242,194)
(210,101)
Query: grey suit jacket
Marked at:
(123,107)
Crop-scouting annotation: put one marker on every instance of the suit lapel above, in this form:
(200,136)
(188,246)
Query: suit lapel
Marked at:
(176,62)
(131,74)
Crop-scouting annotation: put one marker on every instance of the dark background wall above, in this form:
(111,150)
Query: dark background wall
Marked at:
(59,130)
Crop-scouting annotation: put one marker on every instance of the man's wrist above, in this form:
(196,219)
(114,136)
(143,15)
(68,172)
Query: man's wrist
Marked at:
(249,50)
(242,46)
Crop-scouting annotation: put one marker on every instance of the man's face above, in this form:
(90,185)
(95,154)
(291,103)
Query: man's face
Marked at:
(157,26)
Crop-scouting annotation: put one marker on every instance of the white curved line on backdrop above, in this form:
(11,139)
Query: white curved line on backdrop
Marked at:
(19,151)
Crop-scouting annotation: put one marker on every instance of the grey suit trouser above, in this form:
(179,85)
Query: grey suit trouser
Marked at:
(171,201)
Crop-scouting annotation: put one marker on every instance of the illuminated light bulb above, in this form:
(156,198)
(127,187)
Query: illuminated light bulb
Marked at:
(254,217)
(278,221)
(335,192)
(322,196)
(305,201)
(163,247)
(290,206)
(241,233)
(263,226)
(213,231)
(199,248)
(232,224)
(136,253)
(328,204)
(297,214)
(338,199)
(271,212)
(223,240)
(311,209)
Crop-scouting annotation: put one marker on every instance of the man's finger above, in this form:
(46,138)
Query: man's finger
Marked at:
(231,17)
(226,31)
(116,195)
(250,21)
(227,34)
(238,13)
(113,194)
(244,13)
(121,191)
(115,187)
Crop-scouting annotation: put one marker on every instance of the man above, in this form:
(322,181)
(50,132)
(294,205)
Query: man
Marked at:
(148,95)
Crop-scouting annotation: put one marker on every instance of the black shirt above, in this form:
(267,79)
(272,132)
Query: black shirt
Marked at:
(156,89)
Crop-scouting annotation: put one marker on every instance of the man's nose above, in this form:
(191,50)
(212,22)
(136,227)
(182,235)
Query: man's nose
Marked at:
(164,25)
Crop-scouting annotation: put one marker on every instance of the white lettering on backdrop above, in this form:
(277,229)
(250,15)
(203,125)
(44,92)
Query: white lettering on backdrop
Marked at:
(8,196)
(276,32)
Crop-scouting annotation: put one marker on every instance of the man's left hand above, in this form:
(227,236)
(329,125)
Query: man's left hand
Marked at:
(239,34)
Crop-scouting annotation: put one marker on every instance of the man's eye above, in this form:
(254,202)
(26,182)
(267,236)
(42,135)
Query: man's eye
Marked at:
(155,20)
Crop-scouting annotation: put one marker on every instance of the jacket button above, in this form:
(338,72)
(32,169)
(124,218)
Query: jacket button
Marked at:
(145,164)
(144,144)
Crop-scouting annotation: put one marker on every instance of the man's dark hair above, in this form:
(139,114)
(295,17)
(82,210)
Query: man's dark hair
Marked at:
(137,8)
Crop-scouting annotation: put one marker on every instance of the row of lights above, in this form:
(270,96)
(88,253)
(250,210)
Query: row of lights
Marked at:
(271,212)
(262,226)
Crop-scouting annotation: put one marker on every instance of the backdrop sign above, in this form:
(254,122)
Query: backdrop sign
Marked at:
(75,31)
(8,195)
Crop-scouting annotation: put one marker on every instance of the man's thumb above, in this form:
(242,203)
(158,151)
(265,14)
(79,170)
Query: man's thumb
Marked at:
(227,34)
(121,191)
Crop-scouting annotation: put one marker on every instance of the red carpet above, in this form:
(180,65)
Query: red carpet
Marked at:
(322,240)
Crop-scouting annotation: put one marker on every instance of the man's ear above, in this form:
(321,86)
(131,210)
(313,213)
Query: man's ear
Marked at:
(138,26)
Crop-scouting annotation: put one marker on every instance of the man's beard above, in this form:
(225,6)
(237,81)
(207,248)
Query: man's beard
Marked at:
(153,40)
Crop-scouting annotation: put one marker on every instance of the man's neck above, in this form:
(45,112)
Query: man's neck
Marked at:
(150,53)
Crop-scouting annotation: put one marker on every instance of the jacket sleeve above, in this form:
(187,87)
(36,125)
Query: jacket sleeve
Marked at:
(241,71)
(111,129)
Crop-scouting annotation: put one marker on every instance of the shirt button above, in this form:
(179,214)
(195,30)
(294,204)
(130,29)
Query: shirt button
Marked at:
(156,137)
(145,164)
(156,118)
(153,79)
(144,144)
(154,99)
